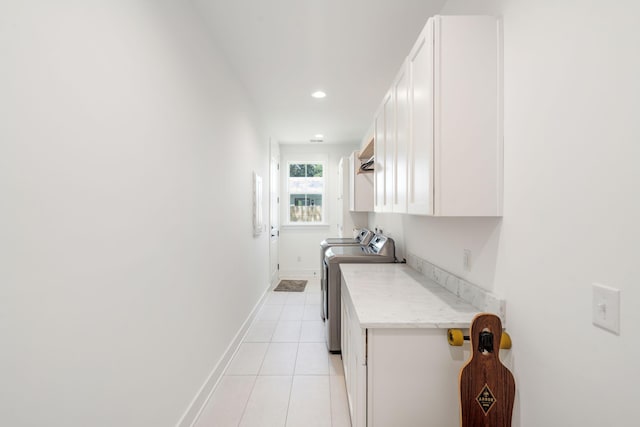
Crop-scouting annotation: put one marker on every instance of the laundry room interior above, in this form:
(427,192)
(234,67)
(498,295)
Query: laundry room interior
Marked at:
(399,168)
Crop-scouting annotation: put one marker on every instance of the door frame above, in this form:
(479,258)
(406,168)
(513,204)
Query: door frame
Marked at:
(274,212)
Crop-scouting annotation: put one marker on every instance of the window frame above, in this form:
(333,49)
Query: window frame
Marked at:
(287,195)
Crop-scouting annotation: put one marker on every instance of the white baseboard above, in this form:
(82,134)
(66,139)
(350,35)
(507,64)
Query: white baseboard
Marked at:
(191,415)
(299,274)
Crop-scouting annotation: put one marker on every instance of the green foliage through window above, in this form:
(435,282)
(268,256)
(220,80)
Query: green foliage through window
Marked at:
(306,191)
(303,170)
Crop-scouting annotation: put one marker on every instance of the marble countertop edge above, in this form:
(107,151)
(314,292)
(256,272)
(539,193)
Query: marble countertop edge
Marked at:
(417,325)
(394,296)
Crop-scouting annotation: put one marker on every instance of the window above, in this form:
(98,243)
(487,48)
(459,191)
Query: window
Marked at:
(305,185)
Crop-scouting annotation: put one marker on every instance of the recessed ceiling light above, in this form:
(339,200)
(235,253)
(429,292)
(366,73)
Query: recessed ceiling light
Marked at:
(318,94)
(319,135)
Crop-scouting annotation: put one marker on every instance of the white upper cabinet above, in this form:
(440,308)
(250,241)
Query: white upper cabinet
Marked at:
(400,138)
(455,109)
(379,194)
(420,160)
(384,142)
(388,107)
(438,132)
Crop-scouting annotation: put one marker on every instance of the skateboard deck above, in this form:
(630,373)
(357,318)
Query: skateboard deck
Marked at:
(487,387)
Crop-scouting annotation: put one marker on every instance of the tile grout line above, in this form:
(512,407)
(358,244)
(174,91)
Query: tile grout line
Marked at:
(244,407)
(255,380)
(293,376)
(330,400)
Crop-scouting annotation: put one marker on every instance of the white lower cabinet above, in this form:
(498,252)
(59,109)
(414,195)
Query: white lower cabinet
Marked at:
(399,377)
(353,343)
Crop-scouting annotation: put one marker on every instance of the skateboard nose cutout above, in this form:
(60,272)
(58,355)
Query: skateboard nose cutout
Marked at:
(485,343)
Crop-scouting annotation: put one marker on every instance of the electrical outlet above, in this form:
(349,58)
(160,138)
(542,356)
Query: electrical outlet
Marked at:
(466,259)
(606,308)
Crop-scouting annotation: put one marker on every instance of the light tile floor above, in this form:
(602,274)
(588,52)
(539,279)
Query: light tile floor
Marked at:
(282,374)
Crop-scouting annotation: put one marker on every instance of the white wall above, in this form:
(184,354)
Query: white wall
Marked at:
(571,208)
(126,152)
(300,245)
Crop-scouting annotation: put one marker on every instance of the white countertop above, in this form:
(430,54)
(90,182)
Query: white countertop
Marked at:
(396,296)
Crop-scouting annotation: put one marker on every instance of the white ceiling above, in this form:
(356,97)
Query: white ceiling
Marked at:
(283,50)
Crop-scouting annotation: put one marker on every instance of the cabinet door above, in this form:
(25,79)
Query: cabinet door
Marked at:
(401,139)
(421,99)
(413,378)
(354,362)
(455,148)
(345,342)
(379,168)
(359,373)
(467,118)
(389,149)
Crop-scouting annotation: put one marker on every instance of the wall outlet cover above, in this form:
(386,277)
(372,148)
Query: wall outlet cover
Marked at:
(466,259)
(606,308)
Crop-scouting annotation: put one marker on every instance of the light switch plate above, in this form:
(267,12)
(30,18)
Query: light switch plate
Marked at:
(606,308)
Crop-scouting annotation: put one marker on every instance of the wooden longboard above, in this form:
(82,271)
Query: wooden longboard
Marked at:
(487,387)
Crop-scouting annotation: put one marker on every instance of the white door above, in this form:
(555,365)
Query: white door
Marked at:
(274,210)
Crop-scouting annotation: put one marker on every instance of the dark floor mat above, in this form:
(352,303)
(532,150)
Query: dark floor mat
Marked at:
(291,286)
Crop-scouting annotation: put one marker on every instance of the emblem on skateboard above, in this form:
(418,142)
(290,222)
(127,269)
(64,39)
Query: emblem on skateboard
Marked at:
(485,399)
